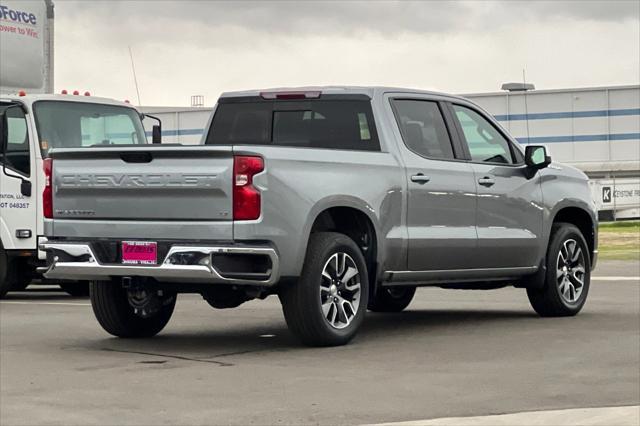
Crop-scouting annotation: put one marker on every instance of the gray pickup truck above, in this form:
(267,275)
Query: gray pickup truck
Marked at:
(339,200)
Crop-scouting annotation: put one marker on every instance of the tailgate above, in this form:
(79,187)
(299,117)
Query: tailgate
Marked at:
(149,183)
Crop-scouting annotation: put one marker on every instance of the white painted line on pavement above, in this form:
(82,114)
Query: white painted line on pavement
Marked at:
(9,302)
(616,278)
(602,416)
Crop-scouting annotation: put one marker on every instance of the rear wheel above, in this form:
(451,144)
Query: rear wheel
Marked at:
(392,299)
(568,274)
(327,305)
(76,289)
(134,312)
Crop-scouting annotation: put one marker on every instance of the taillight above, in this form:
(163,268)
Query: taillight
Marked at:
(47,194)
(246,198)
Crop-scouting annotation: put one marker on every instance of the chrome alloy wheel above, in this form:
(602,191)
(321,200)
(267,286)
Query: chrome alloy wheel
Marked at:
(340,290)
(570,271)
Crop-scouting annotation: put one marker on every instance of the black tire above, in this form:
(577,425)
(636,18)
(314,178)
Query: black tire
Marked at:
(9,273)
(22,283)
(301,302)
(392,299)
(76,289)
(548,301)
(21,274)
(117,317)
(5,284)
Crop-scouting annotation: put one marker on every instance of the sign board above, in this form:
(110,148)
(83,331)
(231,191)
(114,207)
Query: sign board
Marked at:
(616,194)
(23,46)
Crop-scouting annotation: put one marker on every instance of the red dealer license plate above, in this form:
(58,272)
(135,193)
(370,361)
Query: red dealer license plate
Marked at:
(139,253)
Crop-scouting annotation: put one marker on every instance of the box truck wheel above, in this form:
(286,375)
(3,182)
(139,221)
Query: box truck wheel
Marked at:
(23,274)
(4,273)
(8,272)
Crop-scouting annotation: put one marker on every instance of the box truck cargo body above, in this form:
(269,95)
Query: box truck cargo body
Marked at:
(26,43)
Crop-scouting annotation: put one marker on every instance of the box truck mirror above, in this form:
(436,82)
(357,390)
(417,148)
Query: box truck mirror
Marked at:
(156,134)
(156,130)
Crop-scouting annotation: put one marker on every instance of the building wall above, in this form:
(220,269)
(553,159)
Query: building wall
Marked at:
(595,129)
(179,125)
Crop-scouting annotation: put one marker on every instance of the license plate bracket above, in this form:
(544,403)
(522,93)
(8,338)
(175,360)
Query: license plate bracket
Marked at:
(139,253)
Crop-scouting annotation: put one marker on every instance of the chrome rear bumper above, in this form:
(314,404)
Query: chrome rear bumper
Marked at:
(81,263)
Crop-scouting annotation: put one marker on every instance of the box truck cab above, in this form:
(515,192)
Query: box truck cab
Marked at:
(31,126)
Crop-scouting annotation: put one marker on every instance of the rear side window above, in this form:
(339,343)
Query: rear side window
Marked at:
(423,128)
(330,124)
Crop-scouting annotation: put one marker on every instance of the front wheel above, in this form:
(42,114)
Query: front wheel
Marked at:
(327,305)
(137,312)
(567,277)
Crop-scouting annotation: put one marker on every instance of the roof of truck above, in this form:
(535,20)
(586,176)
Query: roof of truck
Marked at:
(370,91)
(31,98)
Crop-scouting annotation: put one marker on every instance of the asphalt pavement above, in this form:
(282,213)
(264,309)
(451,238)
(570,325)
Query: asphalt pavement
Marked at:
(451,354)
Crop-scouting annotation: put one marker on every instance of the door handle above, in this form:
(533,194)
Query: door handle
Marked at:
(486,181)
(420,178)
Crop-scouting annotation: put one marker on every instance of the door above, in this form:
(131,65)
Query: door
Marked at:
(441,189)
(509,207)
(17,210)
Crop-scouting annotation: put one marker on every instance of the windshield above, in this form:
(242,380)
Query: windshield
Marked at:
(77,124)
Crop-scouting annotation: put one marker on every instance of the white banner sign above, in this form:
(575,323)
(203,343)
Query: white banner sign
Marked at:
(615,194)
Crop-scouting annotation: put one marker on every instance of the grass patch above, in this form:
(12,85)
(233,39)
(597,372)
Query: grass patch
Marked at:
(624,226)
(619,240)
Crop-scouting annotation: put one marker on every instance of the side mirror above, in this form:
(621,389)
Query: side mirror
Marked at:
(156,134)
(535,156)
(156,130)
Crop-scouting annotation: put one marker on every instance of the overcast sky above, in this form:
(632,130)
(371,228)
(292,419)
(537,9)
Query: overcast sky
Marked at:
(183,48)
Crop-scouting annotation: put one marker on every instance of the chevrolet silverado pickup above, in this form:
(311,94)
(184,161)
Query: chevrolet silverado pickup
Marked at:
(338,199)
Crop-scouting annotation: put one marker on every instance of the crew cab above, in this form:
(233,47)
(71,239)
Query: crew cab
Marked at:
(337,199)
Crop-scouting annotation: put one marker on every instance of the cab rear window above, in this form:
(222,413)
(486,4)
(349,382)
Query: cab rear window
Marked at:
(323,123)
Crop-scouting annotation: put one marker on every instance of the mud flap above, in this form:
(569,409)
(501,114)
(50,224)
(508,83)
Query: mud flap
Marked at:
(535,280)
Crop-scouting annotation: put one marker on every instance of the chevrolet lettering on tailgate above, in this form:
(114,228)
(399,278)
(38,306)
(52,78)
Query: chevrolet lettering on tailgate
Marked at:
(169,180)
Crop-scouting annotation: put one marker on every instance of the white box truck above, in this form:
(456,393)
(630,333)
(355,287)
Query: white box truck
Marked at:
(32,122)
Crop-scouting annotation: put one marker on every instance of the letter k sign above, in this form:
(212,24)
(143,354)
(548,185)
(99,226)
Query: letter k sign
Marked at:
(606,194)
